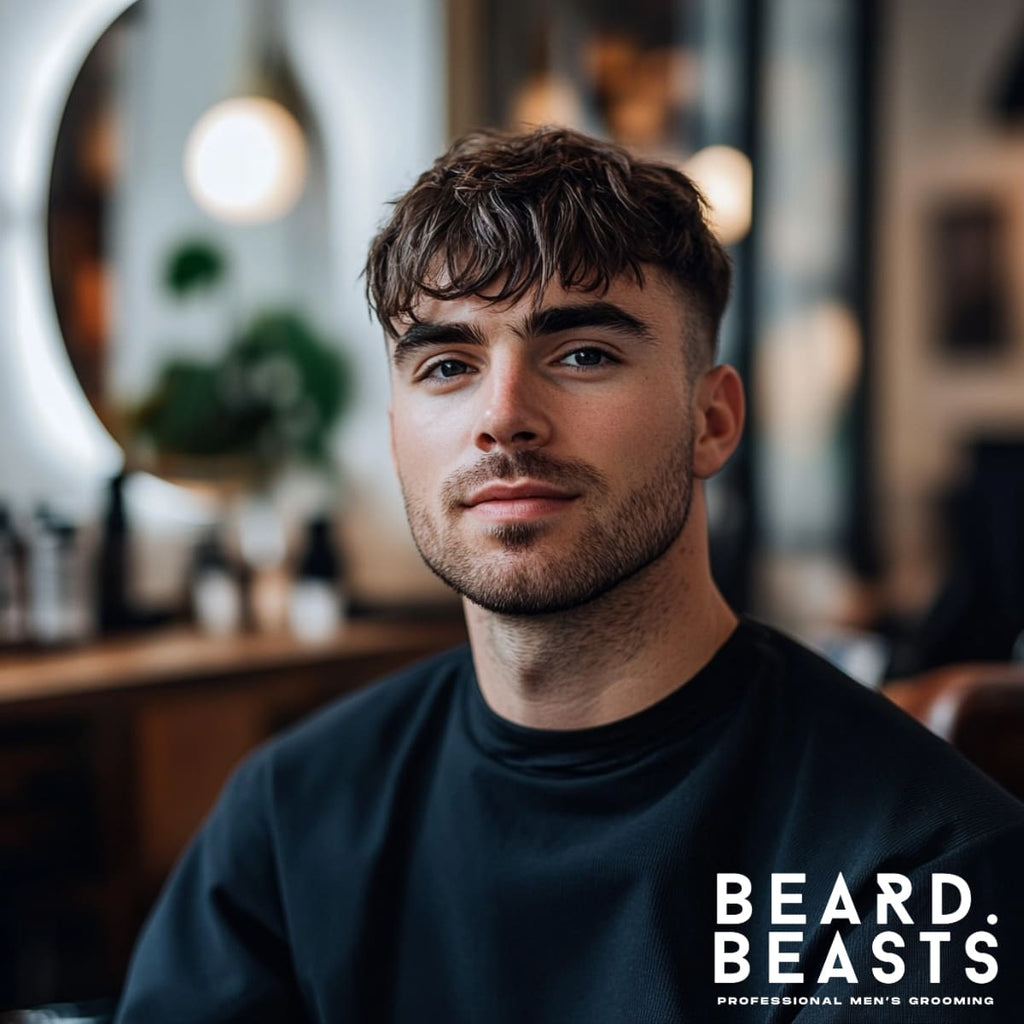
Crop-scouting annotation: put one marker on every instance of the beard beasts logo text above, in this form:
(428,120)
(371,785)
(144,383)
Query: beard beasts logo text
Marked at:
(950,903)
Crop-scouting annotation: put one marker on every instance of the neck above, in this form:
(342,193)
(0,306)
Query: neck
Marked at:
(609,658)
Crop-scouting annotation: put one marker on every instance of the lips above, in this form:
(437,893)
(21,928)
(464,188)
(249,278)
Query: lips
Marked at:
(520,502)
(526,490)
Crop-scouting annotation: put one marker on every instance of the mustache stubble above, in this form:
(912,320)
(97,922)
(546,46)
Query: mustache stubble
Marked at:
(571,474)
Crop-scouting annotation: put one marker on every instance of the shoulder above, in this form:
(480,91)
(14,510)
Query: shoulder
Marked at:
(347,750)
(386,709)
(850,744)
(823,701)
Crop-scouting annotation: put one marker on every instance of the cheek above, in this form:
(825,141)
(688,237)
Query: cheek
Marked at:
(406,445)
(643,426)
(418,447)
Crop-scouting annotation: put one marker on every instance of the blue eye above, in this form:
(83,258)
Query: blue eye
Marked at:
(448,368)
(586,357)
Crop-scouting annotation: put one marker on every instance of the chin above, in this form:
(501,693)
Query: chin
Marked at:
(517,536)
(522,604)
(530,586)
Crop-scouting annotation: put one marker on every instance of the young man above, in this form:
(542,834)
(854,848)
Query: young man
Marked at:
(620,804)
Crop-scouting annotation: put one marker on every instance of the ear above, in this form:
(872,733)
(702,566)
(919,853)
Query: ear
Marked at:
(718,420)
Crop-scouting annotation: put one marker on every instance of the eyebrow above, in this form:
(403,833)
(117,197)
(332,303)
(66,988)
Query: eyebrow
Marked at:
(542,323)
(592,314)
(427,335)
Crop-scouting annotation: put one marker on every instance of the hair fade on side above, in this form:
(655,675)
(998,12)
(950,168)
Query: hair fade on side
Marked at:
(501,213)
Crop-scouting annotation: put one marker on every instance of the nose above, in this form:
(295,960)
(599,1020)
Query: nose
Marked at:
(513,412)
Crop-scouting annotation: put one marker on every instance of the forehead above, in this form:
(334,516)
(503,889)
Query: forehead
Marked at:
(658,302)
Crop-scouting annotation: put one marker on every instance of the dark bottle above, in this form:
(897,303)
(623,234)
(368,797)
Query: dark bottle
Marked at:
(115,611)
(12,582)
(320,560)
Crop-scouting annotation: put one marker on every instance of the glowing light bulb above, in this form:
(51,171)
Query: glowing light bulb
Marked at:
(726,178)
(245,161)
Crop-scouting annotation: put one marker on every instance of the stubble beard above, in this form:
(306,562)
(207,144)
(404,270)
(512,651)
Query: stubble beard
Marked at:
(613,544)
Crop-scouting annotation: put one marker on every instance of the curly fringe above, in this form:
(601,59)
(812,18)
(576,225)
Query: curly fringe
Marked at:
(500,214)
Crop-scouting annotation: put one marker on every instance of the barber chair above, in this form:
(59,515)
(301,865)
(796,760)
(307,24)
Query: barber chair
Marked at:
(979,709)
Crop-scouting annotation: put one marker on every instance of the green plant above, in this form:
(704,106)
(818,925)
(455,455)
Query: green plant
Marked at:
(194,265)
(270,399)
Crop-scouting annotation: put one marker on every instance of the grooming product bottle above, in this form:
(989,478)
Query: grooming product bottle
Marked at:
(316,606)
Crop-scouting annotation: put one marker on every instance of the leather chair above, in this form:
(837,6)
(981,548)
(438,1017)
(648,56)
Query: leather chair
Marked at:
(979,709)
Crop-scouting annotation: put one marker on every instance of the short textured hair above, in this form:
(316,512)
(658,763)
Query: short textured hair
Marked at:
(501,213)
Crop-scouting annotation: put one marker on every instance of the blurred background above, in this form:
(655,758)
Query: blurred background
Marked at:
(200,534)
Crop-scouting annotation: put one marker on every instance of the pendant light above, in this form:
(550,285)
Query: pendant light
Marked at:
(726,178)
(246,158)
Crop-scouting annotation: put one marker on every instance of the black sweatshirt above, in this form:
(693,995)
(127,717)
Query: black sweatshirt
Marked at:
(407,855)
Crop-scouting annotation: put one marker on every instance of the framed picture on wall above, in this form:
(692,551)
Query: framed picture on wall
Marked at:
(970,287)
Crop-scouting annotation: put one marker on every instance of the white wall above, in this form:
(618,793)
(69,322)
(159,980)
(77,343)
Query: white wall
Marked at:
(379,84)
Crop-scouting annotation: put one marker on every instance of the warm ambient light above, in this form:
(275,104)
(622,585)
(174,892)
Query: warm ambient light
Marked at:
(245,161)
(726,178)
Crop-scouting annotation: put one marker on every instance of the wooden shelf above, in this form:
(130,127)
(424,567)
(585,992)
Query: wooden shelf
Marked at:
(179,656)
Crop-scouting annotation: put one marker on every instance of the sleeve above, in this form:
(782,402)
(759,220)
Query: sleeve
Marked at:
(967,969)
(215,949)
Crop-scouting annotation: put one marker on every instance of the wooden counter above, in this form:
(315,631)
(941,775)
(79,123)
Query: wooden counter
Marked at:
(112,754)
(182,656)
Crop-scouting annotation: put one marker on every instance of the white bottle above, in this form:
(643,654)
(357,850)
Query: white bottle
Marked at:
(316,606)
(216,592)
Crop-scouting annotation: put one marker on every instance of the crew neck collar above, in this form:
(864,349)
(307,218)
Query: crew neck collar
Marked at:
(712,690)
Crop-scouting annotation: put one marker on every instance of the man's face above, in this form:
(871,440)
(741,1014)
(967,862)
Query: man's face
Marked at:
(545,449)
